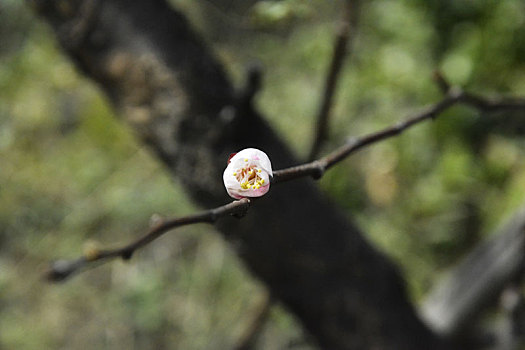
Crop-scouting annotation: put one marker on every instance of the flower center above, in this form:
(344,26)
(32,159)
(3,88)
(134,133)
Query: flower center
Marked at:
(249,177)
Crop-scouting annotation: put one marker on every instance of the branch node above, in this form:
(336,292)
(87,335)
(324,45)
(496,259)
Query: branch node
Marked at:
(91,254)
(456,92)
(155,220)
(127,254)
(318,170)
(213,216)
(243,209)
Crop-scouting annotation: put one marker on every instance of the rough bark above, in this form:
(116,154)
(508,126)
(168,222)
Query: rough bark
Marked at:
(168,86)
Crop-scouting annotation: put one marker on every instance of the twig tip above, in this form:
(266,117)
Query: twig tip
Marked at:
(243,209)
(59,271)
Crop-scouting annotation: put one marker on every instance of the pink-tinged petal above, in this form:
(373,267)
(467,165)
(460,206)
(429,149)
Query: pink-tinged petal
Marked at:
(259,192)
(234,194)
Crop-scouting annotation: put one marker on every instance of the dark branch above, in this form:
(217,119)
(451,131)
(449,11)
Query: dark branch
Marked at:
(342,46)
(62,269)
(453,96)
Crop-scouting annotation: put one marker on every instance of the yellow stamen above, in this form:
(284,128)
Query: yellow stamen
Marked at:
(245,159)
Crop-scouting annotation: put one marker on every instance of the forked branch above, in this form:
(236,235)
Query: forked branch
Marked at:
(63,269)
(342,47)
(453,96)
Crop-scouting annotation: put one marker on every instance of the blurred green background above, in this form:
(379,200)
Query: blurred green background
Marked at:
(72,176)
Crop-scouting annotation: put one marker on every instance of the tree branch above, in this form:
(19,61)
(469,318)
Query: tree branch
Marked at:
(453,96)
(62,269)
(342,47)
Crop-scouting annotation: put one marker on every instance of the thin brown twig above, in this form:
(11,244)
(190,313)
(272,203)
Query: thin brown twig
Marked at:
(342,47)
(62,269)
(453,96)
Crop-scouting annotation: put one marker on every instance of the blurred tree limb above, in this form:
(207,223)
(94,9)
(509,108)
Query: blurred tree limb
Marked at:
(453,96)
(342,47)
(168,86)
(315,169)
(63,269)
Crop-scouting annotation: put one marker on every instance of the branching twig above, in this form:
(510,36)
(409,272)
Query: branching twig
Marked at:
(453,96)
(342,46)
(63,269)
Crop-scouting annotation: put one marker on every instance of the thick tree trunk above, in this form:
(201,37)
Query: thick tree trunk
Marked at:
(171,90)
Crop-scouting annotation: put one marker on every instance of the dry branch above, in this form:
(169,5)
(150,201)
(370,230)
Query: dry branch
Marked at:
(62,269)
(342,46)
(453,96)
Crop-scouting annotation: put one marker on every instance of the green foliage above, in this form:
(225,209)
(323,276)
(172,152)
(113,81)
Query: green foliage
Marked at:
(71,174)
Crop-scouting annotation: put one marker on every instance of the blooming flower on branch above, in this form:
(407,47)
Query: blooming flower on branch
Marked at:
(248,174)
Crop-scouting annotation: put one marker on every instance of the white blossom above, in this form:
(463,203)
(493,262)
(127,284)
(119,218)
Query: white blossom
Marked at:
(248,174)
